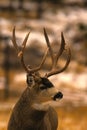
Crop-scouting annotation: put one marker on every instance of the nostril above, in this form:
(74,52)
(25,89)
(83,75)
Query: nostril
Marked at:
(59,95)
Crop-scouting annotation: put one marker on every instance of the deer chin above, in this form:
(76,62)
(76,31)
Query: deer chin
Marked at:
(40,107)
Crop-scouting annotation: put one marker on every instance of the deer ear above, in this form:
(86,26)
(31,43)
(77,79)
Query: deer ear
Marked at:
(30,80)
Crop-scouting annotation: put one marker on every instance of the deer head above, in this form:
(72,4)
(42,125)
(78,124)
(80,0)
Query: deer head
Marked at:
(39,86)
(33,75)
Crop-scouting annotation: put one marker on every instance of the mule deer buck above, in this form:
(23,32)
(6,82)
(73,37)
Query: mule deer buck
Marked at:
(31,112)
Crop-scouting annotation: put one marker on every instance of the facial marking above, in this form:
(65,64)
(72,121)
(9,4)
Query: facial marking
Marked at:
(46,84)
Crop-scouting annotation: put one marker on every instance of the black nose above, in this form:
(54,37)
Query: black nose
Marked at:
(59,95)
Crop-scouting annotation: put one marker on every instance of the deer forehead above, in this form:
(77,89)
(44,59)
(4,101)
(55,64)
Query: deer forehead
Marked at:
(37,80)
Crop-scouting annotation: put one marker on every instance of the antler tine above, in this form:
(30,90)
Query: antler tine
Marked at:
(62,47)
(14,40)
(44,57)
(40,66)
(55,57)
(23,45)
(56,71)
(49,46)
(20,52)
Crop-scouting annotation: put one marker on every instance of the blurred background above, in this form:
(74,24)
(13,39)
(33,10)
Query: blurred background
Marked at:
(69,16)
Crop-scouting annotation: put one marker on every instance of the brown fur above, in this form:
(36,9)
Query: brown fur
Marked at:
(25,117)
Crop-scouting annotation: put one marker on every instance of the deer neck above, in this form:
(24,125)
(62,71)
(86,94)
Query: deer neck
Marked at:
(29,96)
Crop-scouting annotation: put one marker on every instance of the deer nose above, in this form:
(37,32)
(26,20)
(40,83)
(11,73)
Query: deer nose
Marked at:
(59,95)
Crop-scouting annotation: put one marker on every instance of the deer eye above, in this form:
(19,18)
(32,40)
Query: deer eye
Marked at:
(30,80)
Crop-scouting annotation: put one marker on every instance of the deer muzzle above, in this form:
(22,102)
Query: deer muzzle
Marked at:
(53,92)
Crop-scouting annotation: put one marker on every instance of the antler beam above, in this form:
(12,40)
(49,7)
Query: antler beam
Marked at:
(55,57)
(21,52)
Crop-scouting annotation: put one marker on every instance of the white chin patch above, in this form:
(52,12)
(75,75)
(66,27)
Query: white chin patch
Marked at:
(40,107)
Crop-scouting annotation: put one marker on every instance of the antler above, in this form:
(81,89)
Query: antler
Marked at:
(21,52)
(55,57)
